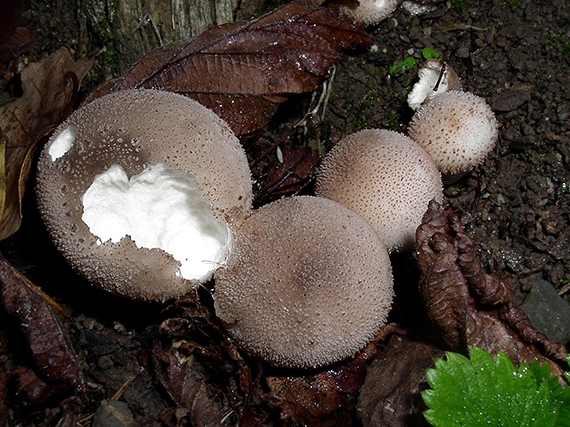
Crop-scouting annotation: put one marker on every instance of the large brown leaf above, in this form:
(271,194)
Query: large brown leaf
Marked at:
(243,71)
(49,89)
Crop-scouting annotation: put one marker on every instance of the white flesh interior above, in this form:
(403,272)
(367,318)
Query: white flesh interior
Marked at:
(62,142)
(424,89)
(163,208)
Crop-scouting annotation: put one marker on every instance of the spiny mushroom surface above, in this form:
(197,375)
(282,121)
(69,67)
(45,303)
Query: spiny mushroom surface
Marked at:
(308,283)
(457,129)
(140,191)
(386,178)
(370,12)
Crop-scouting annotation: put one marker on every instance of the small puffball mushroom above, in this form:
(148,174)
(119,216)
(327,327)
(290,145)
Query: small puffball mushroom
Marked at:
(308,284)
(457,129)
(370,12)
(140,191)
(435,77)
(386,178)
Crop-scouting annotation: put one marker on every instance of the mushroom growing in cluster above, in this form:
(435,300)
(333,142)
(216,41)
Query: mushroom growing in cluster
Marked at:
(385,177)
(308,283)
(457,129)
(141,191)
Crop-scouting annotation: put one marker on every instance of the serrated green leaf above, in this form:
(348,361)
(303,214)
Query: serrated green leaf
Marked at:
(482,391)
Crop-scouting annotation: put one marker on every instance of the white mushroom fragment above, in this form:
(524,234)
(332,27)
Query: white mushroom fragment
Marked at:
(386,178)
(435,77)
(370,12)
(140,191)
(457,129)
(308,284)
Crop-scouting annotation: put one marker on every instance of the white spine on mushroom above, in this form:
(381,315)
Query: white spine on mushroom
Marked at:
(162,207)
(62,142)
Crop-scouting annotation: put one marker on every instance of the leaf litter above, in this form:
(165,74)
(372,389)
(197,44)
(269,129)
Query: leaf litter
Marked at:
(206,375)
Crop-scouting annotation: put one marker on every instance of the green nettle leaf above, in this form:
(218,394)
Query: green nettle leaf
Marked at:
(482,391)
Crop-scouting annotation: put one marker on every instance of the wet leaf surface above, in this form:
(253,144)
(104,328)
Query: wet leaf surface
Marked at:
(49,88)
(56,366)
(243,71)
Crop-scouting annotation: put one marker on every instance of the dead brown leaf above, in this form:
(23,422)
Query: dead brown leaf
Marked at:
(470,306)
(322,399)
(289,176)
(56,361)
(390,396)
(49,90)
(190,389)
(3,380)
(243,71)
(16,37)
(203,371)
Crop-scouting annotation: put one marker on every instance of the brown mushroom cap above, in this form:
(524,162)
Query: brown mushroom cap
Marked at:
(134,134)
(386,178)
(457,129)
(308,283)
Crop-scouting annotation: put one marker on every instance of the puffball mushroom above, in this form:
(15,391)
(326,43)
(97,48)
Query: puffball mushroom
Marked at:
(386,178)
(140,191)
(370,12)
(308,283)
(435,77)
(457,129)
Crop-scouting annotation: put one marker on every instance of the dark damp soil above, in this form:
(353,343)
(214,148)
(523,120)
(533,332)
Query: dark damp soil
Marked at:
(516,206)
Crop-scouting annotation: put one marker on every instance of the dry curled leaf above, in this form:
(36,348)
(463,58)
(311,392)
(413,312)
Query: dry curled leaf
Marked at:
(56,361)
(49,89)
(470,306)
(243,71)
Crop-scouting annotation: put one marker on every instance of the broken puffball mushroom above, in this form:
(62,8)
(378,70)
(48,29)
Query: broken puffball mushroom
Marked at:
(457,129)
(386,178)
(435,77)
(308,283)
(369,12)
(140,191)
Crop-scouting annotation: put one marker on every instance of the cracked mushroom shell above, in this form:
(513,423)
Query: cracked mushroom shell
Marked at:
(134,163)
